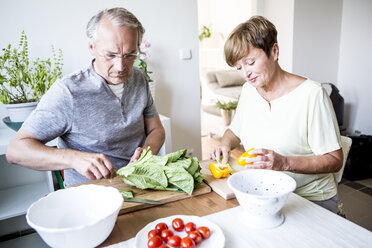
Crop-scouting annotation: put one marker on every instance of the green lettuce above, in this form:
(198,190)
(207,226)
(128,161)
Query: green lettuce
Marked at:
(173,172)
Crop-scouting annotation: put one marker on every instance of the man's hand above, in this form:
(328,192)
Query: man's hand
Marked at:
(136,154)
(94,166)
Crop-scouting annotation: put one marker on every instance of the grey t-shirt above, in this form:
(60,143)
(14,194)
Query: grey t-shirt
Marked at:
(85,114)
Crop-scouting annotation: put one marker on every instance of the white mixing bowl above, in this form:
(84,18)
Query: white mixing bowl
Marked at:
(82,216)
(262,194)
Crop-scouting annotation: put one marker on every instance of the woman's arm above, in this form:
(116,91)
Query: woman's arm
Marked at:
(267,159)
(229,141)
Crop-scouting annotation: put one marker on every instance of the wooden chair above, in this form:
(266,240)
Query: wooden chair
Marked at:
(345,145)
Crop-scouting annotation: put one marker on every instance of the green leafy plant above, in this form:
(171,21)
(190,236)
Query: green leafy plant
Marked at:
(140,62)
(174,172)
(205,32)
(227,105)
(21,82)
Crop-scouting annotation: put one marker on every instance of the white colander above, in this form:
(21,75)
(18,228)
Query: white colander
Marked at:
(262,194)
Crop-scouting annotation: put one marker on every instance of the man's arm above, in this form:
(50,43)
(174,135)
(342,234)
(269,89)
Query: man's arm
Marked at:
(155,137)
(27,150)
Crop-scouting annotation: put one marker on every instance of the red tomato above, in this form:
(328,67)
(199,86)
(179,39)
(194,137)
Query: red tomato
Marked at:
(174,241)
(161,226)
(204,231)
(194,235)
(187,243)
(177,224)
(154,242)
(153,233)
(189,227)
(163,246)
(166,234)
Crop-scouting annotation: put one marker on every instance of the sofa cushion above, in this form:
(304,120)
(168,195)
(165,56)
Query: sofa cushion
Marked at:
(231,92)
(229,78)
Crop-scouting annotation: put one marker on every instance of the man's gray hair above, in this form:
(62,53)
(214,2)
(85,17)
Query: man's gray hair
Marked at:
(119,17)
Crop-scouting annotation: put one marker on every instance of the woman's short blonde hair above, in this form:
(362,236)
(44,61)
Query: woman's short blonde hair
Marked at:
(258,32)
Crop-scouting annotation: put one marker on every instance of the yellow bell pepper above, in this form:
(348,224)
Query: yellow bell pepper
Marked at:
(241,160)
(220,170)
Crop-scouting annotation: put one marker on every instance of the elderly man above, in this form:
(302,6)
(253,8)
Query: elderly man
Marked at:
(103,114)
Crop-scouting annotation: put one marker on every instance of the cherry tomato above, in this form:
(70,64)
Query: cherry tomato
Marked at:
(161,226)
(154,242)
(153,233)
(174,241)
(204,231)
(163,246)
(177,224)
(187,243)
(166,234)
(189,227)
(194,235)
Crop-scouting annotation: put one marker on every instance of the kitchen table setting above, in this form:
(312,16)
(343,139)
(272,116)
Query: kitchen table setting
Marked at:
(277,217)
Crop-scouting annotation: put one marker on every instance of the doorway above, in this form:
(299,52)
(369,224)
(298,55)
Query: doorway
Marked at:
(216,19)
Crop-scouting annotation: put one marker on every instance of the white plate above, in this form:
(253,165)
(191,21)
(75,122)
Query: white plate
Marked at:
(216,240)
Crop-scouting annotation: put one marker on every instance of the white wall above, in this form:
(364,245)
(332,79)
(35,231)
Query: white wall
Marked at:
(330,42)
(354,68)
(221,17)
(170,25)
(281,14)
(316,39)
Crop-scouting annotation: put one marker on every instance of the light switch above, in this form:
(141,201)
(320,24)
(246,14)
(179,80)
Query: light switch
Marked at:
(185,53)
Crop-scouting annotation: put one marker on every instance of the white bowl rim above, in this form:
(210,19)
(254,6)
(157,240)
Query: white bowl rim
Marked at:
(76,228)
(270,171)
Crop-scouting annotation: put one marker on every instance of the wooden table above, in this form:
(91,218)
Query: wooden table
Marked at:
(127,225)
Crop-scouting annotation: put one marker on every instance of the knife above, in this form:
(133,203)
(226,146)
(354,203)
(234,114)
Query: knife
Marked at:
(139,200)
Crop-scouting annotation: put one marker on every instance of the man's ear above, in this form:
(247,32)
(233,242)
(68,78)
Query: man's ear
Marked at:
(91,48)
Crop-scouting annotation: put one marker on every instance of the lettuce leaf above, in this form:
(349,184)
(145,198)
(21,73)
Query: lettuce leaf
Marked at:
(180,178)
(174,172)
(147,176)
(174,156)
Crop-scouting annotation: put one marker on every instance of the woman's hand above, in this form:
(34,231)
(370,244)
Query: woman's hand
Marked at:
(221,150)
(267,159)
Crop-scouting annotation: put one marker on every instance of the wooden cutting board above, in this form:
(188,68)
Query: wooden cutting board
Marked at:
(157,195)
(219,185)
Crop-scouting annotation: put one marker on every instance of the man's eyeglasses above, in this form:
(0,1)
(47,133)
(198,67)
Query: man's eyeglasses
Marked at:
(130,57)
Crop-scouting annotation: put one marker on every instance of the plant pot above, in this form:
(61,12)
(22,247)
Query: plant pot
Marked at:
(19,112)
(227,115)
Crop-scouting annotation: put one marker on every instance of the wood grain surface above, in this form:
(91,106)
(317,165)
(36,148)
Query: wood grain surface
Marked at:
(219,185)
(157,195)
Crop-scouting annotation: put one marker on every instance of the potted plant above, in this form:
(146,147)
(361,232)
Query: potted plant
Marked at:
(140,62)
(22,84)
(227,110)
(205,32)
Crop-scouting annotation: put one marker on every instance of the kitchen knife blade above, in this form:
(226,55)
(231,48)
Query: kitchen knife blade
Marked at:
(139,200)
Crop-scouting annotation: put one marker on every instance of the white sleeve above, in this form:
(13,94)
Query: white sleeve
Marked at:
(323,131)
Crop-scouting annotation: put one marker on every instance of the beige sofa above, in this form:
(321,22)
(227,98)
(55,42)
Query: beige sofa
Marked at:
(223,85)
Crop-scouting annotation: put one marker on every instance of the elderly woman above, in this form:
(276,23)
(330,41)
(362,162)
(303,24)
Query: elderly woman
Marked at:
(288,119)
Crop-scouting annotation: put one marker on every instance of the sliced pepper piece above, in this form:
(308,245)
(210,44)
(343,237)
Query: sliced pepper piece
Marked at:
(220,170)
(241,160)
